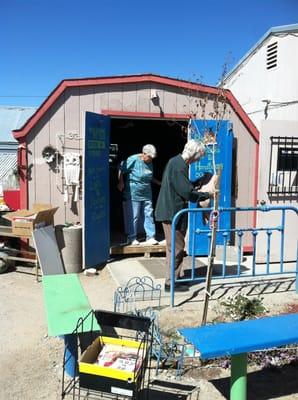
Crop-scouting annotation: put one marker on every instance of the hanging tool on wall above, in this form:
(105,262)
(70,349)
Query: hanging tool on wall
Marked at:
(72,166)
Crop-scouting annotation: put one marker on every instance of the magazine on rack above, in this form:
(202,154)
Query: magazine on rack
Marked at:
(119,357)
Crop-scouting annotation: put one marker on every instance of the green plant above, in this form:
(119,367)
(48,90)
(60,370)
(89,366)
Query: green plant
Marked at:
(241,307)
(68,224)
(16,173)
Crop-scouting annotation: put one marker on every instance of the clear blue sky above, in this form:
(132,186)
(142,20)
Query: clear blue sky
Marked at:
(45,41)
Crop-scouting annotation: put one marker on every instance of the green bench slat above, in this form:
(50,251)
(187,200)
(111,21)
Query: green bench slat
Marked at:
(65,302)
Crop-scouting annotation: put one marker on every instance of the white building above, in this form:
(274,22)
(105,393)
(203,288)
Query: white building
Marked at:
(265,82)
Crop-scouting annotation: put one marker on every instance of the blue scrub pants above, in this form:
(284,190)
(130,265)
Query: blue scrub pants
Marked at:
(134,211)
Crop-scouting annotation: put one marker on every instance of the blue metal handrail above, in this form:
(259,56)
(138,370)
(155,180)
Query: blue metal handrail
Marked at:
(239,232)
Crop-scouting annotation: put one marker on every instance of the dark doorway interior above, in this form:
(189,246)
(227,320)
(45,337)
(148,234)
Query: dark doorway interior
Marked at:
(128,136)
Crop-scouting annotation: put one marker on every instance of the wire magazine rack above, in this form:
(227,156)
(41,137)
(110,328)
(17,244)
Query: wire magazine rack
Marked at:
(113,360)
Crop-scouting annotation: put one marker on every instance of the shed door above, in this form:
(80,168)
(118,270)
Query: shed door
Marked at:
(223,159)
(96,210)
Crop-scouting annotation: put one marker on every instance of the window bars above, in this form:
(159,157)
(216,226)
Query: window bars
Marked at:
(283,168)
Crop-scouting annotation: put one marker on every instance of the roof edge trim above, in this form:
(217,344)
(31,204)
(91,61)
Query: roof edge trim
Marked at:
(67,83)
(283,29)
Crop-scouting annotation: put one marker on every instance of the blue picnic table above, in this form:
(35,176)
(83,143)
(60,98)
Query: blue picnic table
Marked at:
(236,339)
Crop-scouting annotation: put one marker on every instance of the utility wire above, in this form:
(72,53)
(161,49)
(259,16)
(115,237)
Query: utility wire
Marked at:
(273,105)
(19,96)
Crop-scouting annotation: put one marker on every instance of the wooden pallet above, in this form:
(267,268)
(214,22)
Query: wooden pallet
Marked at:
(20,255)
(139,249)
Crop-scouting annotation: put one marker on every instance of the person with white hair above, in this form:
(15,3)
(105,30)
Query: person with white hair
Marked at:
(176,190)
(137,194)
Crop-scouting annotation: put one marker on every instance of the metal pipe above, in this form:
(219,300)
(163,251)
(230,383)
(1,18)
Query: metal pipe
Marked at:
(238,388)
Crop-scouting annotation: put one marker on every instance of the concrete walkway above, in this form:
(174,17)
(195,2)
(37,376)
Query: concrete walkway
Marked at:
(122,270)
(24,329)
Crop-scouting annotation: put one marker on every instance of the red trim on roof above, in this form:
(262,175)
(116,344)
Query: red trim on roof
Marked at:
(21,133)
(256,183)
(242,115)
(132,114)
(131,79)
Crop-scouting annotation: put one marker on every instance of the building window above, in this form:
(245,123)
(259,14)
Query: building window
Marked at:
(271,56)
(283,172)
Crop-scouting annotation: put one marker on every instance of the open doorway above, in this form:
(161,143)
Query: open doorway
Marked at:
(127,137)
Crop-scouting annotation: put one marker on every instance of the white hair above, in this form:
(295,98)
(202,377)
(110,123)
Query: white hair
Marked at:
(193,149)
(150,150)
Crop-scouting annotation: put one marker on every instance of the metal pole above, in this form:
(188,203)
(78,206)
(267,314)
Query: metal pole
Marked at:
(173,251)
(297,271)
(238,377)
(211,252)
(282,241)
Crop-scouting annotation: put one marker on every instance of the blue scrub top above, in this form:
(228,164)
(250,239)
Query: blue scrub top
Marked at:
(138,178)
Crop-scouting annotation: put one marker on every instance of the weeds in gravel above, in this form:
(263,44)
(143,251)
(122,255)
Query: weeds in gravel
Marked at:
(241,307)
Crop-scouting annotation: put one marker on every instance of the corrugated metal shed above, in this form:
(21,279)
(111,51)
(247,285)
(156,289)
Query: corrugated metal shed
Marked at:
(11,118)
(8,162)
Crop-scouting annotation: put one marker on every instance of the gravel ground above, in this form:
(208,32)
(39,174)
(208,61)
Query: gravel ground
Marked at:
(31,362)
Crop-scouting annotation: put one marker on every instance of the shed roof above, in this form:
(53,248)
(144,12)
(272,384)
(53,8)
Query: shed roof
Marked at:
(131,79)
(12,117)
(274,31)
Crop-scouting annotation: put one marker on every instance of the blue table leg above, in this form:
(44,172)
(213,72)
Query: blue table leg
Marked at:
(71,354)
(238,377)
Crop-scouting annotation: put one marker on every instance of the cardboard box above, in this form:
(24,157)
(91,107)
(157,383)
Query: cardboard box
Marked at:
(110,374)
(23,222)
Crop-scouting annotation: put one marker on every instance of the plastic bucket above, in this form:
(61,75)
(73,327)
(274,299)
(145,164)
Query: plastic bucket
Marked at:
(69,241)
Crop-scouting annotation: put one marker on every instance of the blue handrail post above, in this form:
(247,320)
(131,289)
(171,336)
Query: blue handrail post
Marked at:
(282,242)
(195,232)
(297,271)
(239,258)
(254,236)
(173,251)
(269,233)
(225,238)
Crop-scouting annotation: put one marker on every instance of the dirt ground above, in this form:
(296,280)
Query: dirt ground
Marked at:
(31,362)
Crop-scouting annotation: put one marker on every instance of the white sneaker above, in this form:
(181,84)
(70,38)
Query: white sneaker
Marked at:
(135,242)
(151,242)
(163,242)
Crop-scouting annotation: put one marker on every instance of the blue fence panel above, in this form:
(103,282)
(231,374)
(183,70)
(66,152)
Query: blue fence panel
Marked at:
(261,269)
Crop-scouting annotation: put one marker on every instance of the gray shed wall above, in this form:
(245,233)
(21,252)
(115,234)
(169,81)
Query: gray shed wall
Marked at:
(67,115)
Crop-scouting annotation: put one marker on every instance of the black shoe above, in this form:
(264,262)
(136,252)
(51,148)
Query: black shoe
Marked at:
(178,288)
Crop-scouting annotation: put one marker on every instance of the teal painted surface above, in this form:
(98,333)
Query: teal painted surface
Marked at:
(65,302)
